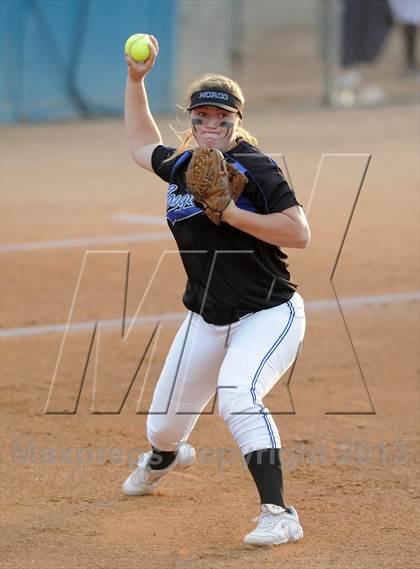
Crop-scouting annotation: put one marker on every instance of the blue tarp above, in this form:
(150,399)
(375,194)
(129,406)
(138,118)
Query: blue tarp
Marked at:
(64,58)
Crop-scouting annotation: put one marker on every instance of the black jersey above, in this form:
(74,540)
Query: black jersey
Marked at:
(230,273)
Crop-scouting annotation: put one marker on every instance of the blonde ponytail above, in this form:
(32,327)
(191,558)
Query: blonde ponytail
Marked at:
(245,135)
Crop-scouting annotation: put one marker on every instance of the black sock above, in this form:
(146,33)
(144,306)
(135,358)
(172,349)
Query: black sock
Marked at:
(161,459)
(265,467)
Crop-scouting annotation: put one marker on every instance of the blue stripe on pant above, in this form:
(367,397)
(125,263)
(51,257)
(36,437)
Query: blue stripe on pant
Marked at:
(260,367)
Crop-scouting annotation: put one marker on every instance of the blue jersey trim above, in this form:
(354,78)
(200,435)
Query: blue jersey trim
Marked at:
(243,202)
(246,204)
(181,159)
(239,167)
(174,215)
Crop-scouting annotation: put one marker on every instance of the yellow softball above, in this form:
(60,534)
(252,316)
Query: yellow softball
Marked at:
(139,47)
(130,42)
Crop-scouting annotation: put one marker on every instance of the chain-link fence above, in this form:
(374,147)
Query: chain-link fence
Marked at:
(334,52)
(370,51)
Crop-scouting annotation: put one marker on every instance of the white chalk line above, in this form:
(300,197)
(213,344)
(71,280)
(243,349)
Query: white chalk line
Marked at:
(102,240)
(311,305)
(85,241)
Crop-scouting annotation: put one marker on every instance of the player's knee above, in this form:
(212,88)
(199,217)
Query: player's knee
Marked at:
(233,402)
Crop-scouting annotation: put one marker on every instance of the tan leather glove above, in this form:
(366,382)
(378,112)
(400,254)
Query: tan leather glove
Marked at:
(213,182)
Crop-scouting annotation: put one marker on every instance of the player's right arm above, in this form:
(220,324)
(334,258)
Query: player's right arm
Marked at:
(142,131)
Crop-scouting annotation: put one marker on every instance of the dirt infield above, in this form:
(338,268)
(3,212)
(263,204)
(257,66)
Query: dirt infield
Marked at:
(352,476)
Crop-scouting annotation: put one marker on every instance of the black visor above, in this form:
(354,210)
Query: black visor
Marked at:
(216,98)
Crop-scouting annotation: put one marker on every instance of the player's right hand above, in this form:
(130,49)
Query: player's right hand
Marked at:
(137,70)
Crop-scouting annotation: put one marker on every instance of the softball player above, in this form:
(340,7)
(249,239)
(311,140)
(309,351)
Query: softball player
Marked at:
(245,320)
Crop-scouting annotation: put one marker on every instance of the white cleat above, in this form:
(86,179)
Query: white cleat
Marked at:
(144,480)
(275,525)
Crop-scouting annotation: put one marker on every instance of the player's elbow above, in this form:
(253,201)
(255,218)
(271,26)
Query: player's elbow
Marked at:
(297,233)
(301,237)
(304,238)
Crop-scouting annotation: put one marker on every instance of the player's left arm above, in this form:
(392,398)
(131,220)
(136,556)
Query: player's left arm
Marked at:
(288,228)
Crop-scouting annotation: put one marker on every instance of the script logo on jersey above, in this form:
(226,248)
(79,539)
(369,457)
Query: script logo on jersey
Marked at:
(180,206)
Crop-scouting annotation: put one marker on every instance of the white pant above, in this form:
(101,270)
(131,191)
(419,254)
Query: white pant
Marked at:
(242,361)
